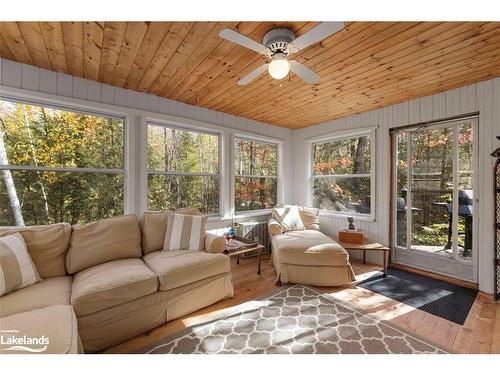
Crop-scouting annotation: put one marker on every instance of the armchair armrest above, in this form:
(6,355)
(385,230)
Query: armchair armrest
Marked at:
(274,227)
(214,243)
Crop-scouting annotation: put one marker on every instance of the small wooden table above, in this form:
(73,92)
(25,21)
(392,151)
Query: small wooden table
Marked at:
(240,245)
(368,245)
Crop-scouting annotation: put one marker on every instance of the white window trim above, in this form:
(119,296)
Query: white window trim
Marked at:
(169,125)
(69,106)
(339,135)
(279,170)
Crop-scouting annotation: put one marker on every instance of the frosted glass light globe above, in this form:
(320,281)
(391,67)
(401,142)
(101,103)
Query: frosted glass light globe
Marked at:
(279,68)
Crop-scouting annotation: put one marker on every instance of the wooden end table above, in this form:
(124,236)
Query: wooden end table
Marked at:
(239,245)
(368,245)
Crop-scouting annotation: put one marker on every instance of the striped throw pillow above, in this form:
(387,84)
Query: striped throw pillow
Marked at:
(185,232)
(17,269)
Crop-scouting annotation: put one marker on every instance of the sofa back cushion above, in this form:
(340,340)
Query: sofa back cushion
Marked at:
(154,228)
(310,217)
(103,241)
(47,245)
(17,269)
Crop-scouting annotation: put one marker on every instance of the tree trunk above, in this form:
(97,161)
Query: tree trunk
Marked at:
(359,156)
(9,184)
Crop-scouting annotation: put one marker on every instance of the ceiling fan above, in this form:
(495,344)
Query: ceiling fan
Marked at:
(277,45)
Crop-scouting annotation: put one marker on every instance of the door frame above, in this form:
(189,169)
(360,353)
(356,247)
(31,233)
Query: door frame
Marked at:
(456,268)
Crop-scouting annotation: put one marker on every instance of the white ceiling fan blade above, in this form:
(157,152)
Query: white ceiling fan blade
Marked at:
(317,34)
(254,74)
(303,72)
(242,40)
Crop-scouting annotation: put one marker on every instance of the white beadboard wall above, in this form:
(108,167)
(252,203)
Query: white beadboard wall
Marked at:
(483,97)
(37,80)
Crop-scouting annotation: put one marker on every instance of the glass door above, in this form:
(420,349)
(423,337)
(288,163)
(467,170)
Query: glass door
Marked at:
(433,193)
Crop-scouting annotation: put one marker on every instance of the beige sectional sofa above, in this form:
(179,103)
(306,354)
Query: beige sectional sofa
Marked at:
(109,281)
(308,256)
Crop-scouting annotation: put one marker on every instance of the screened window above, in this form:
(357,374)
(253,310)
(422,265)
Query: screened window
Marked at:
(59,165)
(183,169)
(342,179)
(256,174)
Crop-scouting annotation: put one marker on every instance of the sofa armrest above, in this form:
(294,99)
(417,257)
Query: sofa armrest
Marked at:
(274,227)
(214,243)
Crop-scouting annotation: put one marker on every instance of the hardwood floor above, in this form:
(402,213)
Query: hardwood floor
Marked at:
(479,334)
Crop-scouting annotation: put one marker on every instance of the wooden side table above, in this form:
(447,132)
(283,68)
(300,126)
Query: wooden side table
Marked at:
(368,245)
(239,246)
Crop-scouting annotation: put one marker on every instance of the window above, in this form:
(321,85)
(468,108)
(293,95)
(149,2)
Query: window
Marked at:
(59,165)
(342,174)
(256,174)
(183,169)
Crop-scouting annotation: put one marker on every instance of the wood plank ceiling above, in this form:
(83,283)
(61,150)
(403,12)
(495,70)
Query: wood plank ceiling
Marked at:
(365,66)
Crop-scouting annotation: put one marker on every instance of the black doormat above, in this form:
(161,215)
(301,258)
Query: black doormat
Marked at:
(437,297)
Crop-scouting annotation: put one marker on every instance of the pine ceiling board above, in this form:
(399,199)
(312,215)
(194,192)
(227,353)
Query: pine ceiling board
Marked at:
(405,66)
(114,33)
(15,42)
(53,37)
(93,34)
(351,47)
(169,44)
(132,39)
(210,42)
(73,46)
(35,44)
(366,65)
(152,40)
(193,40)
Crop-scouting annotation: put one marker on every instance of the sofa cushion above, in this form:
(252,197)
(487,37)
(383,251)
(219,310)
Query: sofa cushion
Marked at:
(111,284)
(17,270)
(309,248)
(47,245)
(50,291)
(54,326)
(154,227)
(310,217)
(288,217)
(181,267)
(185,232)
(103,241)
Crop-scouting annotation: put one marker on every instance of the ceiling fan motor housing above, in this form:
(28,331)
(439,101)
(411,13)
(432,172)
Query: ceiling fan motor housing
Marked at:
(277,40)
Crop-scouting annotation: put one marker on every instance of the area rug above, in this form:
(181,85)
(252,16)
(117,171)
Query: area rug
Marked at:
(292,319)
(437,297)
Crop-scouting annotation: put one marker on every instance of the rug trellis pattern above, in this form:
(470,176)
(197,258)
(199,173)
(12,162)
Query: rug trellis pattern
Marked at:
(295,319)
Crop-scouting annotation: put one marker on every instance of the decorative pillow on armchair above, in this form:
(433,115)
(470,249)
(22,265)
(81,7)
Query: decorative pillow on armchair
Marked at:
(288,217)
(185,232)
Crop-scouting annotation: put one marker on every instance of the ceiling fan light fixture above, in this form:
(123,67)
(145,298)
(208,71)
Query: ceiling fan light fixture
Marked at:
(279,68)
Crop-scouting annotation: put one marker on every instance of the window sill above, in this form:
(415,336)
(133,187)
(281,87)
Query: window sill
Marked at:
(345,215)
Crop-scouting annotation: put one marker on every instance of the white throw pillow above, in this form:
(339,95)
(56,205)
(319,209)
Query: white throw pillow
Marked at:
(185,232)
(17,269)
(289,218)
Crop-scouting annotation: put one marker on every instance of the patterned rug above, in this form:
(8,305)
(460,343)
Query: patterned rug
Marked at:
(293,319)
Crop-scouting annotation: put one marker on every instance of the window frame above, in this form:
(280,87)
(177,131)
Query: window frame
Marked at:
(48,101)
(279,188)
(147,172)
(371,132)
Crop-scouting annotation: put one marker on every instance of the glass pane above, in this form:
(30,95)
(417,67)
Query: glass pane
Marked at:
(255,158)
(465,191)
(401,187)
(432,190)
(41,136)
(343,156)
(171,192)
(52,197)
(342,194)
(174,150)
(254,193)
